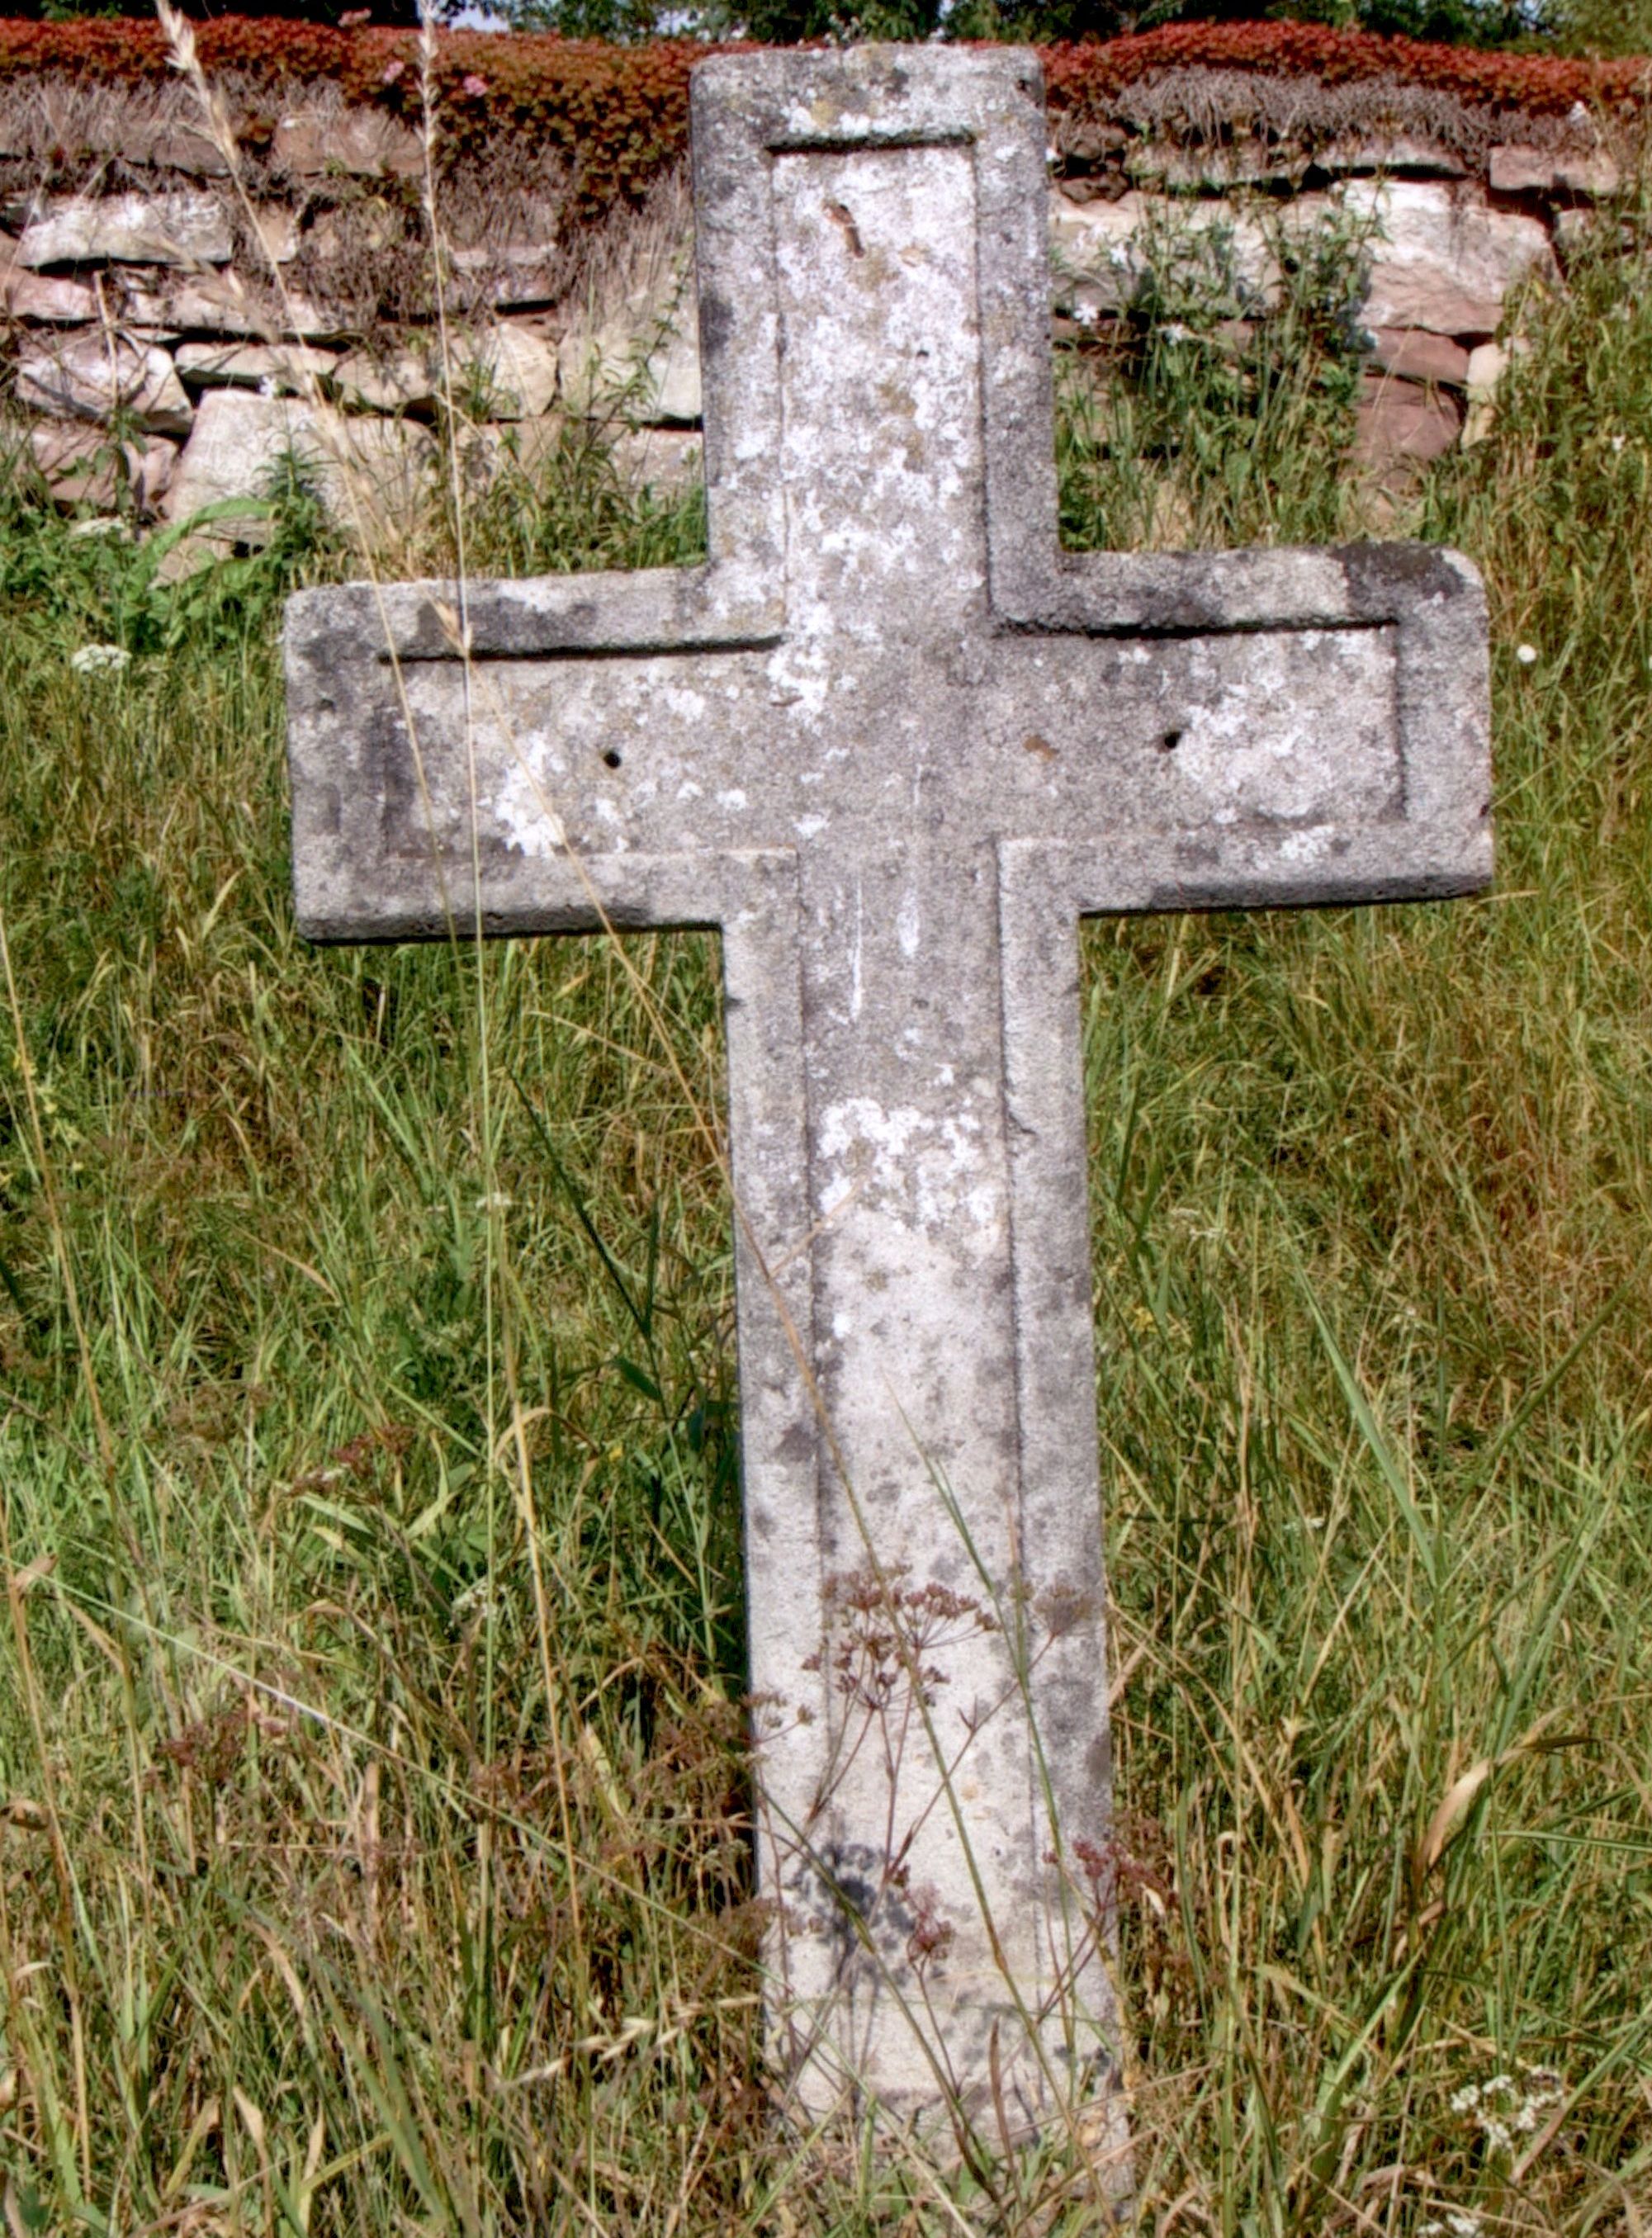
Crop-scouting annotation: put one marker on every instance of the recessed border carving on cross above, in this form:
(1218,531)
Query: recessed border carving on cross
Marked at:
(399,762)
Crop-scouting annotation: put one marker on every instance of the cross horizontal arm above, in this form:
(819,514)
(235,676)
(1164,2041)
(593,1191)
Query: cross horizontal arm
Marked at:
(1096,594)
(605,612)
(1340,758)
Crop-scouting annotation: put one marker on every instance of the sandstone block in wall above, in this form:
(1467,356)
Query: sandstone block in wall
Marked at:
(1098,186)
(516,372)
(1219,166)
(176,228)
(95,376)
(409,380)
(645,364)
(277,230)
(1352,158)
(360,228)
(221,303)
(1399,425)
(1442,260)
(1516,170)
(1090,142)
(84,466)
(149,466)
(1105,248)
(1487,367)
(183,151)
(362,141)
(122,129)
(506,373)
(517,277)
(1571,227)
(1211,167)
(1093,245)
(1412,353)
(45,299)
(283,368)
(370,471)
(666,459)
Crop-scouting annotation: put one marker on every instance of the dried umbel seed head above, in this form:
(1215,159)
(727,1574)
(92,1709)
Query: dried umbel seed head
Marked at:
(931,1936)
(1060,1608)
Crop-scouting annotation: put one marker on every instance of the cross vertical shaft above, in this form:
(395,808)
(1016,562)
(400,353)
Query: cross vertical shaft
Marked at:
(911,1868)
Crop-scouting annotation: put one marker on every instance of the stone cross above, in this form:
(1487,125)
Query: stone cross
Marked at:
(894,743)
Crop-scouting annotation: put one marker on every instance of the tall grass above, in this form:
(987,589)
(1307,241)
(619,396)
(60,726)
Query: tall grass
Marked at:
(339,1892)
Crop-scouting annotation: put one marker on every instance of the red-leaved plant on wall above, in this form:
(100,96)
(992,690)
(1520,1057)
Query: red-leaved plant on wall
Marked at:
(620,114)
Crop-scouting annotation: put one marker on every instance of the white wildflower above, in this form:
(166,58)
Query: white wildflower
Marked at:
(95,659)
(476,1600)
(1525,654)
(495,1201)
(269,389)
(1086,313)
(1507,2107)
(1174,331)
(1618,441)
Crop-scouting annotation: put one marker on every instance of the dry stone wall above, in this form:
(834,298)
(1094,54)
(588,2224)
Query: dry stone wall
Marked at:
(168,336)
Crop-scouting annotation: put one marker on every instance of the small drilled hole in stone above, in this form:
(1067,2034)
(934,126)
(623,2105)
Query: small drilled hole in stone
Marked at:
(1170,742)
(613,758)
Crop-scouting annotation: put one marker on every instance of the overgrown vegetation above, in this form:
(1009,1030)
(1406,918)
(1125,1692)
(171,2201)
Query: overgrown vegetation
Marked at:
(1212,423)
(1474,22)
(586,128)
(372,1850)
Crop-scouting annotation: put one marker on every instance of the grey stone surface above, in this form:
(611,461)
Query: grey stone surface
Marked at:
(894,743)
(668,460)
(1248,161)
(1390,154)
(179,228)
(518,274)
(228,306)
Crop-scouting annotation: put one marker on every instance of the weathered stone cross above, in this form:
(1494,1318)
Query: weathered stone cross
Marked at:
(894,743)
